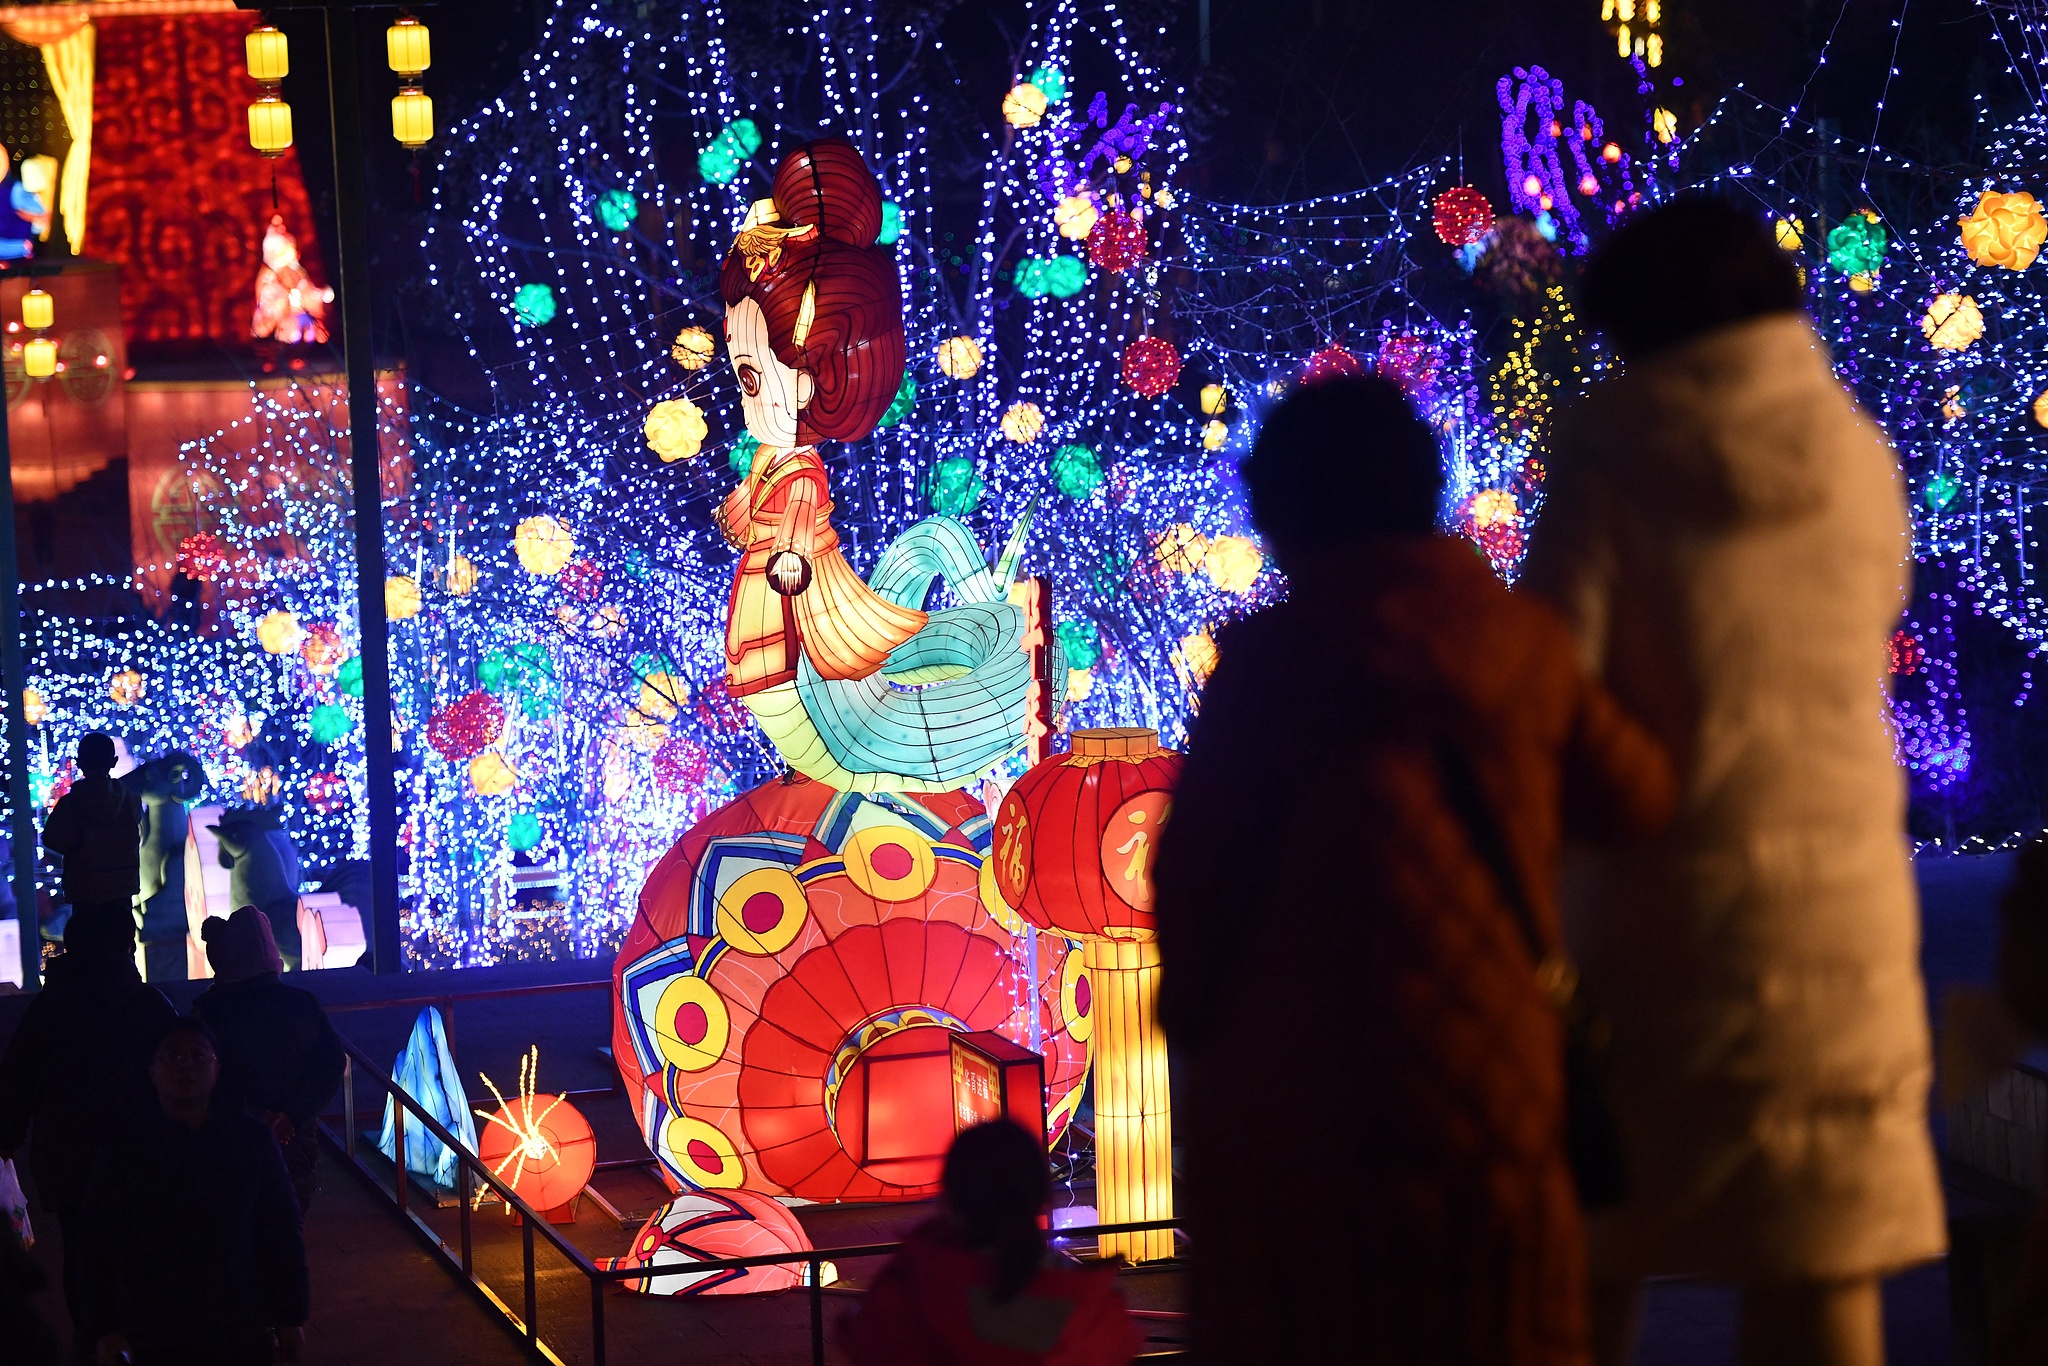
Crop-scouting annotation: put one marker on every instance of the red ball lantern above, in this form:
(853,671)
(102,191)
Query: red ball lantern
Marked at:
(1408,360)
(322,648)
(1329,363)
(326,793)
(681,766)
(541,1146)
(1151,366)
(202,557)
(582,580)
(1116,242)
(467,728)
(1462,216)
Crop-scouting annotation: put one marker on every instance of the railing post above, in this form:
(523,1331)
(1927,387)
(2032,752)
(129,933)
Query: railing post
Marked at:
(817,1311)
(348,1105)
(468,1258)
(597,1322)
(532,1300)
(399,1168)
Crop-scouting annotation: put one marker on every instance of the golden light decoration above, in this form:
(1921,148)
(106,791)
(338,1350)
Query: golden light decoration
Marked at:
(1022,422)
(569,619)
(408,46)
(238,731)
(676,429)
(1080,682)
(261,787)
(544,1142)
(412,117)
(270,125)
(1952,322)
(1180,549)
(401,597)
(960,357)
(39,357)
(1790,232)
(661,695)
(38,310)
(268,53)
(693,349)
(1198,653)
(1862,282)
(1215,433)
(608,622)
(491,775)
(1215,398)
(323,649)
(2041,407)
(1665,124)
(1494,507)
(125,687)
(1024,106)
(460,576)
(2004,230)
(34,709)
(1075,217)
(644,733)
(543,545)
(1233,563)
(278,632)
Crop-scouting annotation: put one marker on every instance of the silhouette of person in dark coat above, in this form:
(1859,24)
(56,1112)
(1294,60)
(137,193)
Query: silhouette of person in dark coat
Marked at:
(97,828)
(196,1256)
(278,1052)
(76,1063)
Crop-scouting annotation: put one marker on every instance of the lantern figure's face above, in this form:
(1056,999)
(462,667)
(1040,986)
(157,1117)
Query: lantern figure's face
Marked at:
(771,393)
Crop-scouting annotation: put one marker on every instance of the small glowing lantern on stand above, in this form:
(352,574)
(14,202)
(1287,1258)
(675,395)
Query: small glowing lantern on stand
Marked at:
(270,118)
(409,51)
(540,1146)
(39,353)
(1075,840)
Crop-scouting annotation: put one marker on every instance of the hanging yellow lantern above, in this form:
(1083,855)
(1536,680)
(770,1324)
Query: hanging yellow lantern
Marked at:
(2004,230)
(38,310)
(960,357)
(34,709)
(1075,217)
(1024,106)
(1214,434)
(1180,549)
(401,597)
(270,58)
(460,576)
(693,349)
(490,775)
(1215,398)
(1080,682)
(1952,322)
(1233,563)
(608,622)
(125,687)
(661,694)
(543,545)
(278,633)
(675,428)
(1790,232)
(1494,507)
(270,125)
(1198,653)
(39,357)
(1023,422)
(412,117)
(1665,124)
(408,47)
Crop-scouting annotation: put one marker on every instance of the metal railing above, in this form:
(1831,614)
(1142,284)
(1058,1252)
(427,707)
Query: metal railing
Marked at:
(525,1321)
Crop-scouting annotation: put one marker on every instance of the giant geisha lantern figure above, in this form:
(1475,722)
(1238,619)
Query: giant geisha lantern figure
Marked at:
(1074,845)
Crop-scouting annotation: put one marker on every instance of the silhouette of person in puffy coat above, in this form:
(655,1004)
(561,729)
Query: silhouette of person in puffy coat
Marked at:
(97,827)
(978,1286)
(264,872)
(75,1064)
(278,1052)
(165,784)
(196,1257)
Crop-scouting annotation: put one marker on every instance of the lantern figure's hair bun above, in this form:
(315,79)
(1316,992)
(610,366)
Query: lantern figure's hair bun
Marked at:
(831,297)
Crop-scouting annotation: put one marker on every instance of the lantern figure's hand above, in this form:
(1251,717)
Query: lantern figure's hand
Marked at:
(788,573)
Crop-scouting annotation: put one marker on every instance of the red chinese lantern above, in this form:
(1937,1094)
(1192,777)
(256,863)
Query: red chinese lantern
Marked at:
(542,1147)
(467,728)
(1462,216)
(1116,242)
(322,649)
(582,580)
(1408,360)
(202,557)
(1329,363)
(1151,366)
(710,1226)
(1076,836)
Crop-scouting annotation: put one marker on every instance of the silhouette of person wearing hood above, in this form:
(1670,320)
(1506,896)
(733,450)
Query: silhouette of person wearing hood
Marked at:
(97,828)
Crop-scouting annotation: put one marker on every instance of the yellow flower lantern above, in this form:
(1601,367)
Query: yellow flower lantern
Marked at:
(460,576)
(661,694)
(1215,434)
(1080,682)
(1075,217)
(2041,408)
(401,597)
(491,775)
(675,428)
(960,357)
(1952,322)
(34,709)
(608,621)
(2004,230)
(693,349)
(1215,398)
(1181,549)
(278,633)
(1023,422)
(1024,106)
(543,545)
(1198,653)
(1233,563)
(1790,232)
(125,687)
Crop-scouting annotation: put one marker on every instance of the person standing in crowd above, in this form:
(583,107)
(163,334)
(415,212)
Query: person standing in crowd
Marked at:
(279,1054)
(76,1062)
(978,1286)
(1727,533)
(196,1256)
(1358,922)
(97,828)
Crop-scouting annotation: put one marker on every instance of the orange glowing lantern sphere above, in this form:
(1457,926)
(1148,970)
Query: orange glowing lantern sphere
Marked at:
(541,1146)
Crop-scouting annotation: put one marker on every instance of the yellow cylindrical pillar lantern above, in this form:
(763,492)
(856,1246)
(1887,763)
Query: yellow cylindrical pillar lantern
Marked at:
(39,357)
(270,125)
(38,311)
(407,46)
(412,117)
(1133,1105)
(269,55)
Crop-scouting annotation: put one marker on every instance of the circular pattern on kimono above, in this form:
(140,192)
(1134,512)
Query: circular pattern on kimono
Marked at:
(889,862)
(702,1154)
(691,1024)
(1077,996)
(762,911)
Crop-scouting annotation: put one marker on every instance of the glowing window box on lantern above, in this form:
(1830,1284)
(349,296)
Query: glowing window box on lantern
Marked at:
(995,1078)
